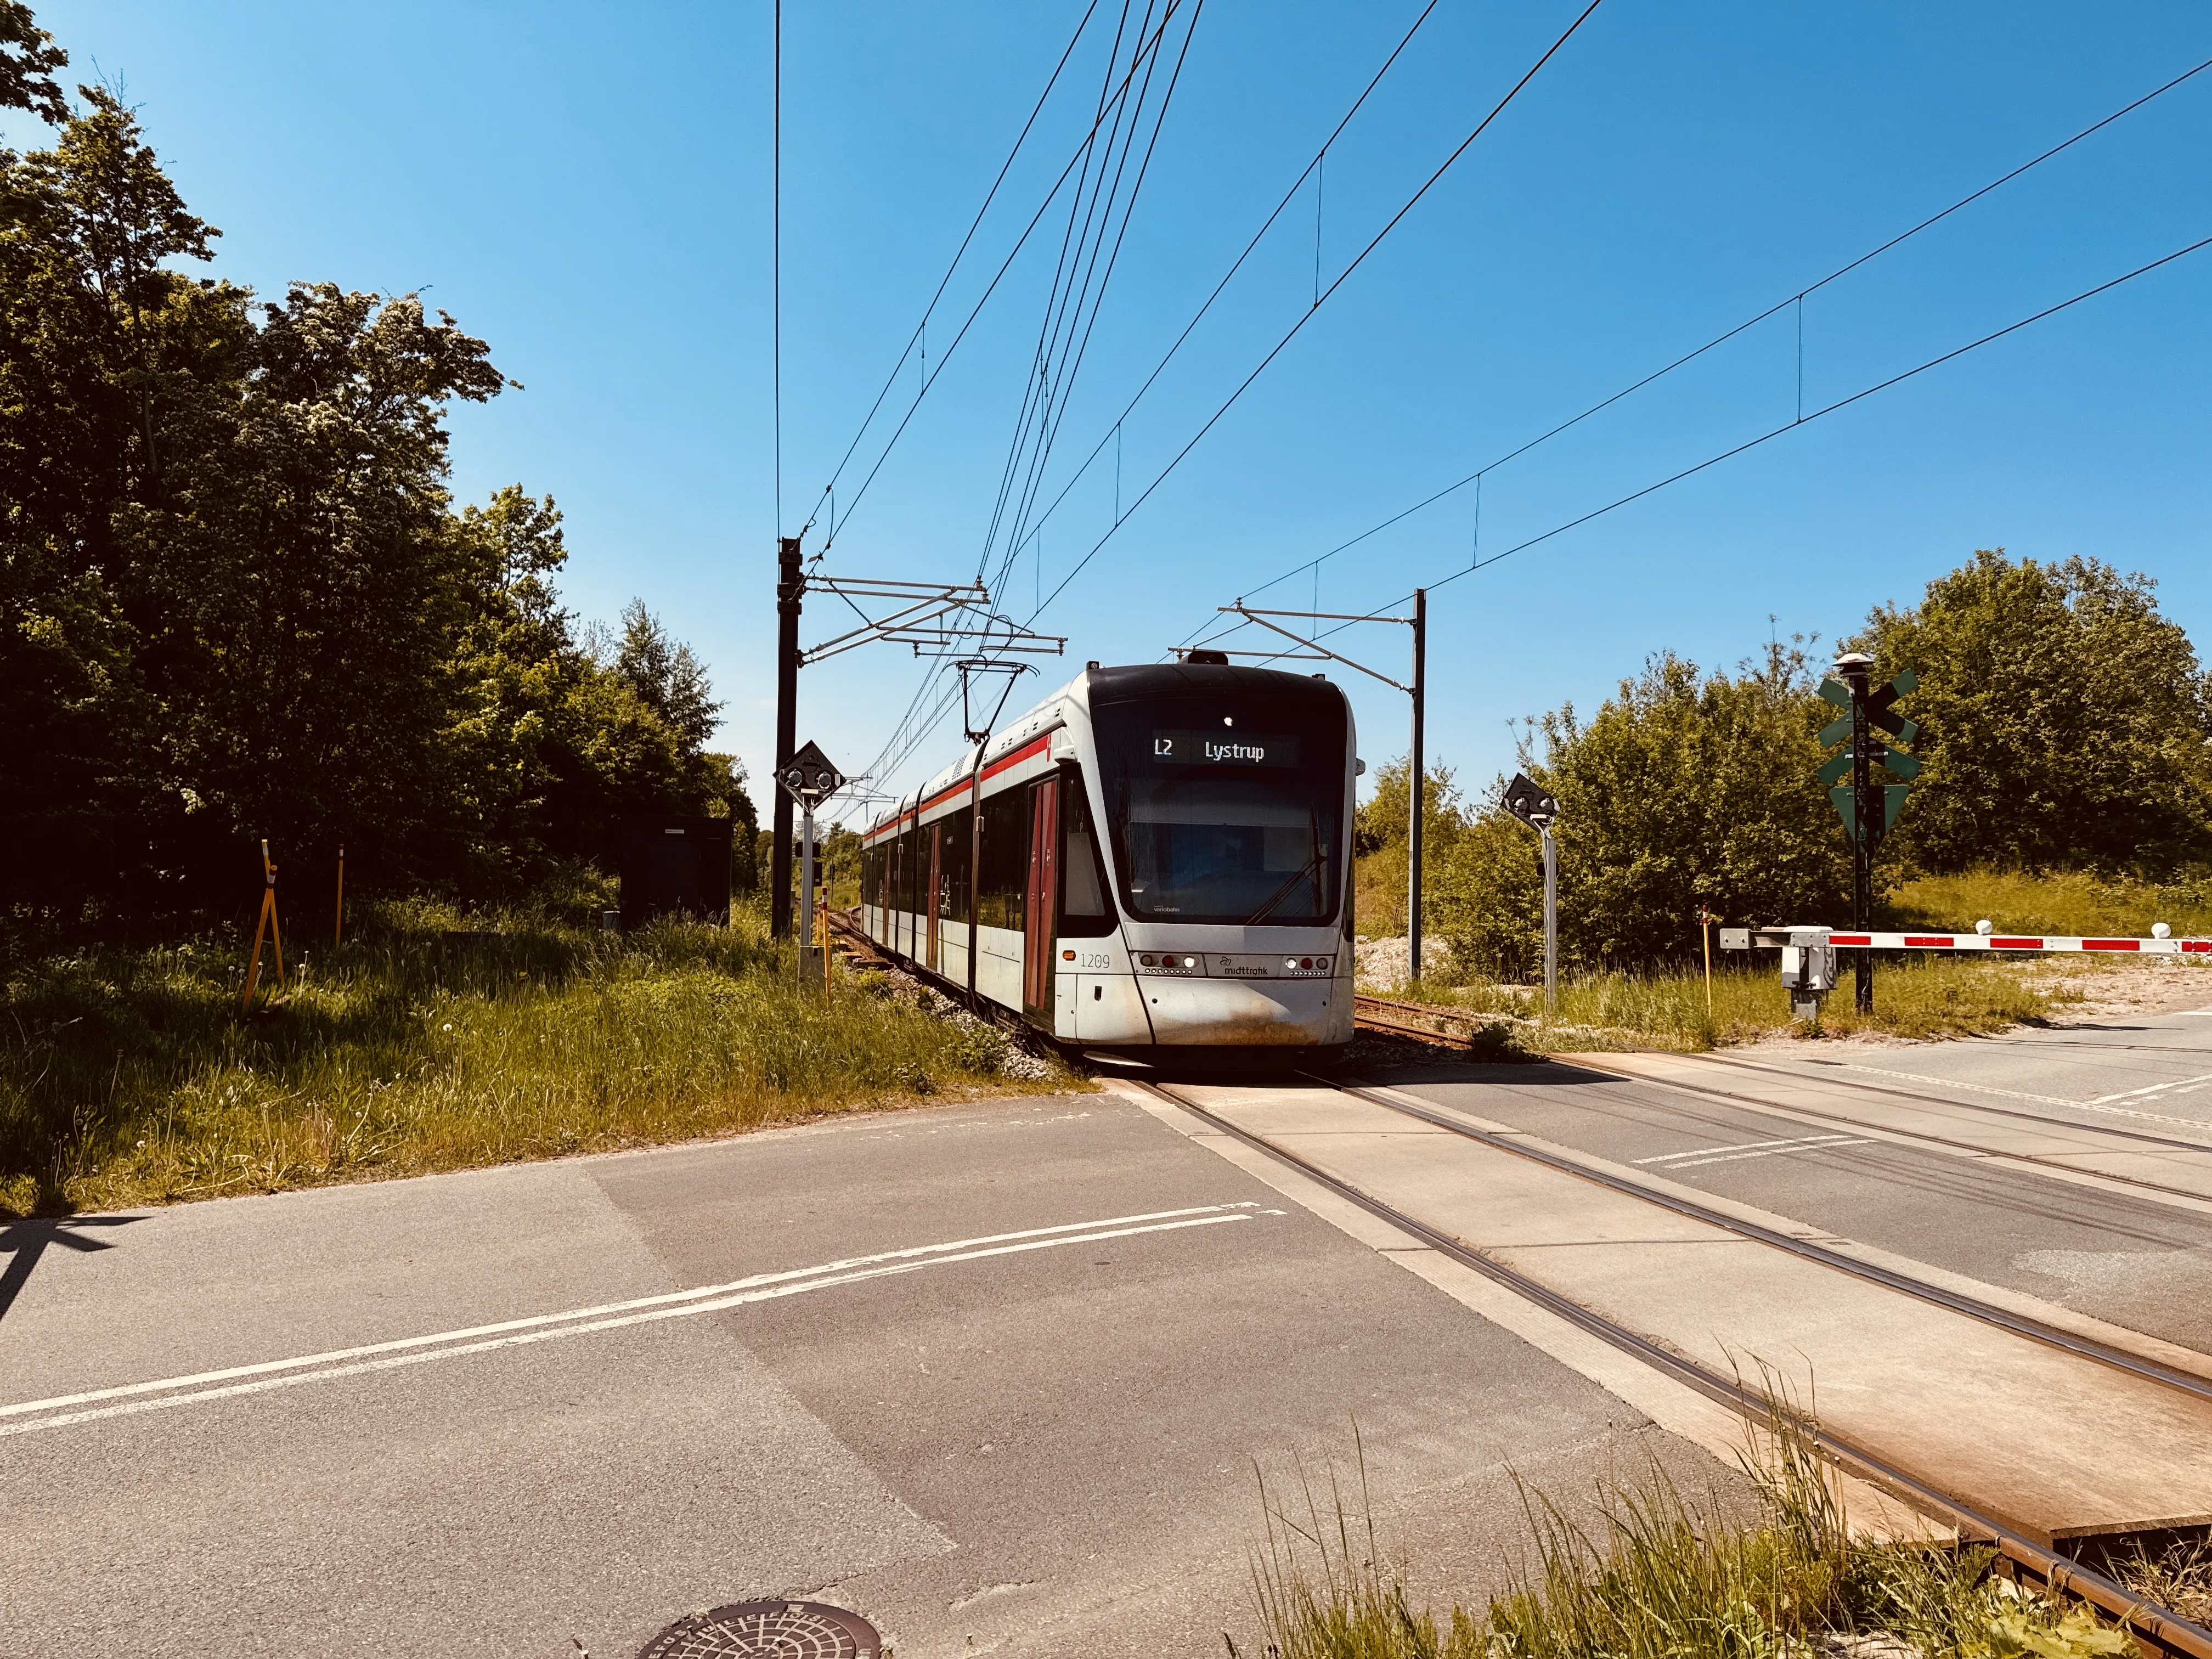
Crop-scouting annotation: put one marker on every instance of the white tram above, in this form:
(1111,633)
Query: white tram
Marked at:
(1214,909)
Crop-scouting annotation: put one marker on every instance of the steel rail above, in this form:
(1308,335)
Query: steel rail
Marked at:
(2016,1324)
(2170,1142)
(1806,1249)
(2151,1624)
(1585,1063)
(1373,1023)
(1595,1063)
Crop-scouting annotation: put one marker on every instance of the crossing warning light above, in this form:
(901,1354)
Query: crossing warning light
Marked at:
(1530,803)
(810,775)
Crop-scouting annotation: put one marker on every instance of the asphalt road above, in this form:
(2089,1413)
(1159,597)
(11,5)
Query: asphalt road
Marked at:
(997,1376)
(2123,1256)
(2144,1070)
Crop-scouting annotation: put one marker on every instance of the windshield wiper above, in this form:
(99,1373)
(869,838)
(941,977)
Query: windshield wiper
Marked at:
(1283,891)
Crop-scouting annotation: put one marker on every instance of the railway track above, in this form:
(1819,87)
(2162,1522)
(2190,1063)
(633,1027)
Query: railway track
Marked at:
(2157,1629)
(1384,1014)
(2162,1634)
(1380,1021)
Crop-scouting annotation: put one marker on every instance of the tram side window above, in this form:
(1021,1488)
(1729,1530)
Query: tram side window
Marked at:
(952,865)
(910,875)
(1085,913)
(1001,883)
(867,875)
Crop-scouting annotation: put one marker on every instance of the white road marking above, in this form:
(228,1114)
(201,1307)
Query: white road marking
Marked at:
(2096,1105)
(1817,1146)
(1743,1146)
(543,1328)
(2154,1088)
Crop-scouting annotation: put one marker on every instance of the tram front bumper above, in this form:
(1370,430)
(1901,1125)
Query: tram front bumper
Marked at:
(1247,1013)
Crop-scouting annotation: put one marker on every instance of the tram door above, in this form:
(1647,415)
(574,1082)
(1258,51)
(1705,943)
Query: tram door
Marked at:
(1040,924)
(934,899)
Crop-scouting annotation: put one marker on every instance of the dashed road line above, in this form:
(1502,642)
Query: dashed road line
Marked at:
(1746,1149)
(2099,1105)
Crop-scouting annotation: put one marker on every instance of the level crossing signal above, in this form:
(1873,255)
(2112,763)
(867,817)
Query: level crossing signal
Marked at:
(812,777)
(1840,770)
(1530,804)
(1867,809)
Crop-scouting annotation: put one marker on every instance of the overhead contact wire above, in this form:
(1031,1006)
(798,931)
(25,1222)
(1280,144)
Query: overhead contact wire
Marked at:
(974,225)
(977,310)
(1307,316)
(1722,339)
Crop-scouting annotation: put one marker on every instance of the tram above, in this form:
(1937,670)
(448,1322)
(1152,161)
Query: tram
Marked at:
(1153,857)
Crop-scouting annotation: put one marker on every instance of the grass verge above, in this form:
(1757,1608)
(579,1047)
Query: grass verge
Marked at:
(1935,997)
(2074,903)
(431,1041)
(1659,1577)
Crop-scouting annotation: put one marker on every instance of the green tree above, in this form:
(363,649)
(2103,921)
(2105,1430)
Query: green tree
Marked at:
(28,58)
(551,746)
(100,346)
(235,598)
(2064,721)
(1379,832)
(1684,790)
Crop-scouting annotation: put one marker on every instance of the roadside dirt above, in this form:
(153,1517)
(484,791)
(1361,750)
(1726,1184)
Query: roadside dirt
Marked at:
(2108,988)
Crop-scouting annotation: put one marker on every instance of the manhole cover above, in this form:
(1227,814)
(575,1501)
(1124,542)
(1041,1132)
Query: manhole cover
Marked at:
(768,1630)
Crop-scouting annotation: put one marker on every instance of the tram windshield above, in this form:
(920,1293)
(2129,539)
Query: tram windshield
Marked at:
(1223,809)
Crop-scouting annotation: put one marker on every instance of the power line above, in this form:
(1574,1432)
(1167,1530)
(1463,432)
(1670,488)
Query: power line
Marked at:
(922,687)
(1793,425)
(1073,354)
(1321,299)
(1006,264)
(1082,205)
(1113,432)
(1072,302)
(1304,317)
(1841,403)
(1796,299)
(899,740)
(920,332)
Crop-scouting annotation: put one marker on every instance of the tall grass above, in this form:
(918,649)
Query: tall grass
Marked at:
(2073,903)
(1933,997)
(431,1041)
(1657,1576)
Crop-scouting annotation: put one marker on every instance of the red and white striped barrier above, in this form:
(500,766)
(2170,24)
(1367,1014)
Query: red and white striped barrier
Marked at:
(2016,942)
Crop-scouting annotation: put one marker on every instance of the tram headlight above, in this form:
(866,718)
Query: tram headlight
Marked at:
(1147,961)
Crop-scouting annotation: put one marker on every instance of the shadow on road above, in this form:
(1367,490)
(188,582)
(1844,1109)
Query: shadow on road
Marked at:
(25,1242)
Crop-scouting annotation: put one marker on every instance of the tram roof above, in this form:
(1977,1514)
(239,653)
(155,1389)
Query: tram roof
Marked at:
(1130,683)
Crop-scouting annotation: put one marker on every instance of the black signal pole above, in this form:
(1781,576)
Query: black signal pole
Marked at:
(789,586)
(1414,824)
(1866,811)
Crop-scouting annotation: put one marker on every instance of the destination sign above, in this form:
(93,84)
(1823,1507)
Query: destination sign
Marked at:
(1225,747)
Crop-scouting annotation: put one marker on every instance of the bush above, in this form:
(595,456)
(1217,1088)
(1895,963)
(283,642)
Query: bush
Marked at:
(1684,790)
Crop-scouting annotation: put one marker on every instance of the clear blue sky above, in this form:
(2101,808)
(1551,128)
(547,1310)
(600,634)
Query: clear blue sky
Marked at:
(587,187)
